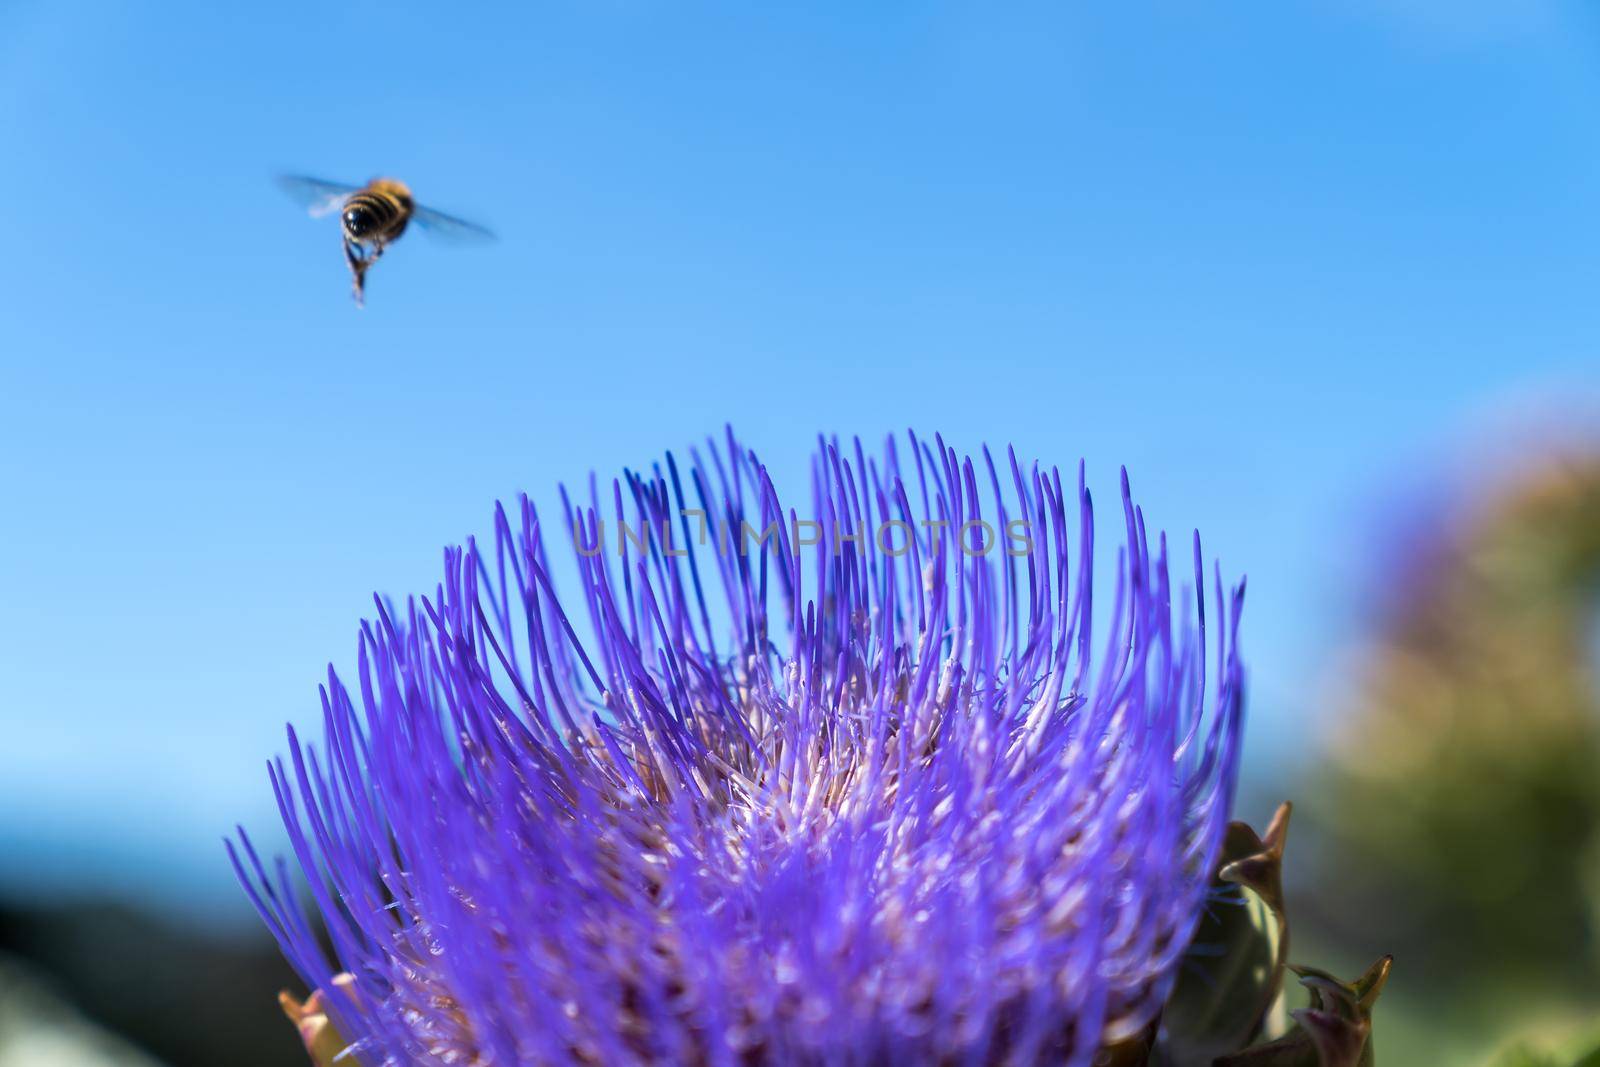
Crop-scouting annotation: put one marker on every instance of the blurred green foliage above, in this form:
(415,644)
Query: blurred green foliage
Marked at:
(1522,1055)
(188,995)
(1455,822)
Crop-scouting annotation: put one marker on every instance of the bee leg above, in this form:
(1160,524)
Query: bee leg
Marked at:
(358,263)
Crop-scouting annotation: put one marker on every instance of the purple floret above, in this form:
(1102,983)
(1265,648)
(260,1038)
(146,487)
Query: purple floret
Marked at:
(744,800)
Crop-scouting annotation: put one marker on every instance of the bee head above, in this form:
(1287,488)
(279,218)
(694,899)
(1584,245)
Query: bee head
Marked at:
(358,221)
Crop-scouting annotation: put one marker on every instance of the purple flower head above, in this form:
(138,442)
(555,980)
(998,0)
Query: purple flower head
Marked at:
(773,788)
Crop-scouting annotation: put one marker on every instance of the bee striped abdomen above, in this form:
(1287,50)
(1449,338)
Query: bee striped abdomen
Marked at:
(378,213)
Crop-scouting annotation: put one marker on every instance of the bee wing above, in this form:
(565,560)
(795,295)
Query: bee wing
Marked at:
(451,229)
(317,196)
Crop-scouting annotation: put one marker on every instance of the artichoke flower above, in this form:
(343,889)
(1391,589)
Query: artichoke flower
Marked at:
(881,783)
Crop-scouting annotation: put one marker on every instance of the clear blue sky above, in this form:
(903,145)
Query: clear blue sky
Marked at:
(1277,261)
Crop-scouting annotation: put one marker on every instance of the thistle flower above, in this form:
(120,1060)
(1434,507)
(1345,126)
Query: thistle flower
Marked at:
(841,790)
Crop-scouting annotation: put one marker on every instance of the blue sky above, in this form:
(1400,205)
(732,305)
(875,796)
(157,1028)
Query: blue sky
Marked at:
(1284,261)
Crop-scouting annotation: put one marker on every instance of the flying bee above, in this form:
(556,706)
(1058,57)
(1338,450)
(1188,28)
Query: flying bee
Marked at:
(372,217)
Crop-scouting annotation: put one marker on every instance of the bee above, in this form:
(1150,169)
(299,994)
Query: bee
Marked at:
(372,217)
